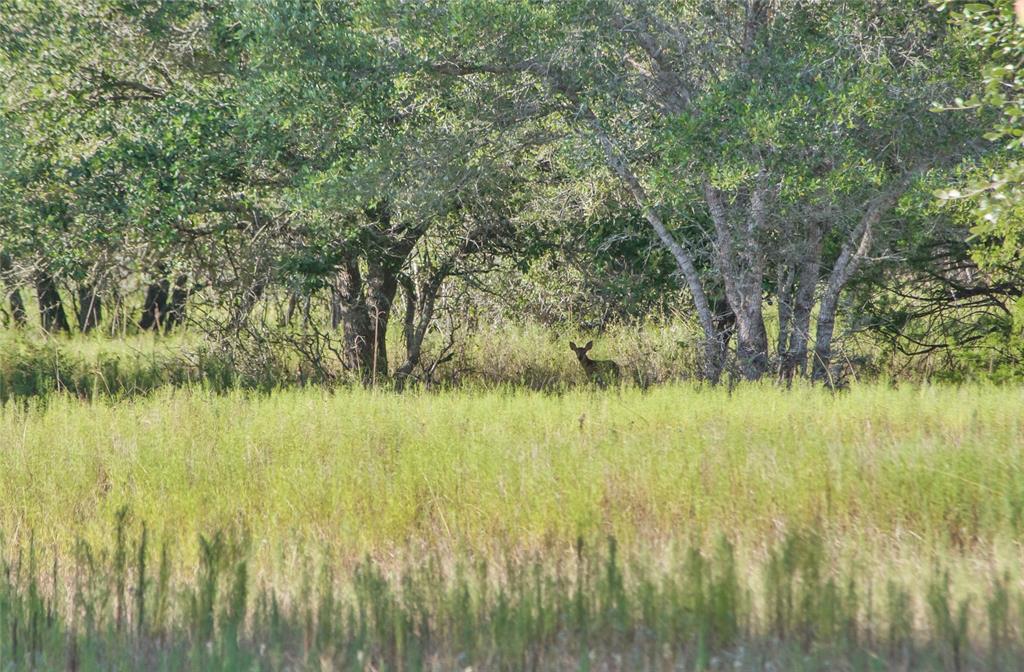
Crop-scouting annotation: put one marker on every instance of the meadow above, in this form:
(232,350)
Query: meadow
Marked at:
(296,302)
(681,527)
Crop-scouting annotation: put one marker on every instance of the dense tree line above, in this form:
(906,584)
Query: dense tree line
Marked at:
(307,174)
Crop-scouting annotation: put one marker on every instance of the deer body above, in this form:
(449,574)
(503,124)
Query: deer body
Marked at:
(600,371)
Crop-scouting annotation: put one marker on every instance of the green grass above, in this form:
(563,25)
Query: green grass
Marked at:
(95,366)
(365,471)
(528,356)
(119,611)
(878,492)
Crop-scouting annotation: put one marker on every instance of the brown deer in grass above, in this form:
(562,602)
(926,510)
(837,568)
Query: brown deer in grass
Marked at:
(600,371)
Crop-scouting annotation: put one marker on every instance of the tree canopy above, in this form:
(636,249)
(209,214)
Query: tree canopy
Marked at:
(299,173)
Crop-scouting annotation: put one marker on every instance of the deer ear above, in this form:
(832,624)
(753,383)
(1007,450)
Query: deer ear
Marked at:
(572,345)
(589,345)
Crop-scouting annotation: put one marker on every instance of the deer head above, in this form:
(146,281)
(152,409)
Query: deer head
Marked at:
(581,353)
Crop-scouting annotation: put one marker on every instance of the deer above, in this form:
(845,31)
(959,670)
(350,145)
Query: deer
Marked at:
(600,371)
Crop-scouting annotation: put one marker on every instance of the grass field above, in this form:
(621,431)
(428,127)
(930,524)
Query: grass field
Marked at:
(878,527)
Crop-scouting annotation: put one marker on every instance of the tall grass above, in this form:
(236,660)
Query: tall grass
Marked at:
(594,611)
(94,366)
(357,529)
(528,356)
(467,467)
(363,472)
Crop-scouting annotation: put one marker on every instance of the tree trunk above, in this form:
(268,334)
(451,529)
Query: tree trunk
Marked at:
(178,304)
(336,315)
(751,336)
(89,308)
(413,345)
(52,317)
(354,317)
(18,313)
(117,318)
(382,287)
(364,311)
(714,349)
(725,320)
(154,307)
(793,353)
(784,293)
(823,337)
(285,318)
(741,264)
(419,313)
(796,356)
(363,305)
(853,252)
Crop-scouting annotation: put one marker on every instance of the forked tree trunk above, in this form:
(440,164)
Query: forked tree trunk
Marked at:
(796,356)
(363,309)
(419,314)
(52,317)
(382,287)
(793,351)
(852,254)
(353,316)
(741,264)
(363,304)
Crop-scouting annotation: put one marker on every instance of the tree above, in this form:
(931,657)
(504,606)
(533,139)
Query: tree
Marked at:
(809,104)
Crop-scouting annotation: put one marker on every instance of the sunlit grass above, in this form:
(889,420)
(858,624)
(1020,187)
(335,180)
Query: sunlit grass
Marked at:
(364,471)
(896,487)
(526,356)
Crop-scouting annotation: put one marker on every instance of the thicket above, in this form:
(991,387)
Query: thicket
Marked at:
(359,188)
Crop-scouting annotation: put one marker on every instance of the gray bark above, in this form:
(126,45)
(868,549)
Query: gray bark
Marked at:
(419,314)
(363,310)
(741,264)
(19,315)
(784,287)
(364,303)
(714,352)
(804,270)
(353,316)
(855,249)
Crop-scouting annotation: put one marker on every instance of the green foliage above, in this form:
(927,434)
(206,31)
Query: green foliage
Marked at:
(444,151)
(993,29)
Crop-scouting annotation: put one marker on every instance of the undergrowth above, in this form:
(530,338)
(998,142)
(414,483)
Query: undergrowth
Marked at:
(118,607)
